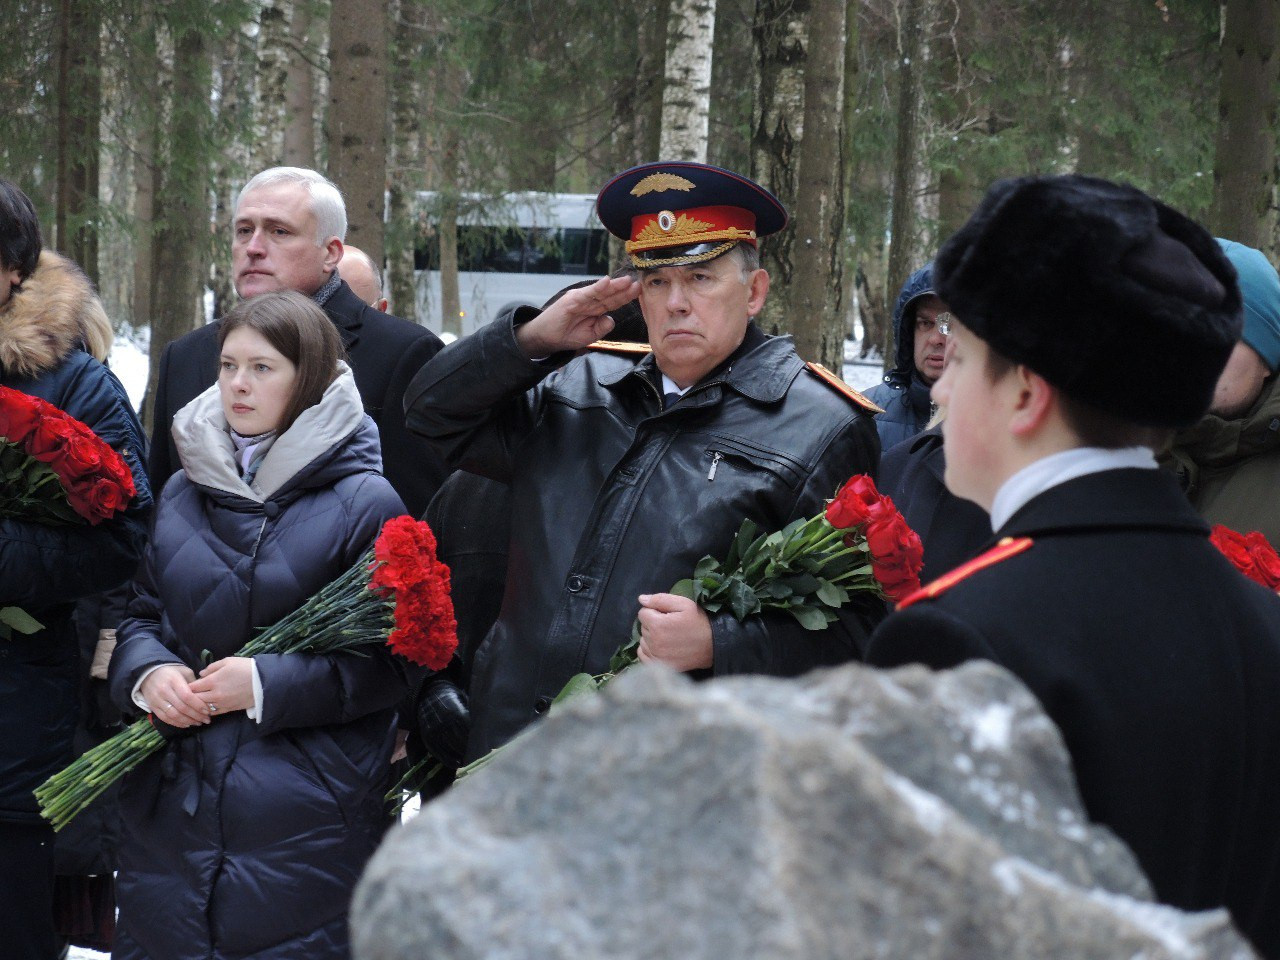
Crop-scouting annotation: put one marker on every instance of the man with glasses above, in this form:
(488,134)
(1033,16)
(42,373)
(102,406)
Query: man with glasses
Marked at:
(904,394)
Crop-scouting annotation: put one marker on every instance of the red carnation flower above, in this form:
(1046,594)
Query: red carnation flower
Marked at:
(426,631)
(92,479)
(19,414)
(1251,554)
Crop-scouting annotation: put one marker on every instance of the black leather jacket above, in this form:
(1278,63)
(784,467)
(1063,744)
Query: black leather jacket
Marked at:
(613,497)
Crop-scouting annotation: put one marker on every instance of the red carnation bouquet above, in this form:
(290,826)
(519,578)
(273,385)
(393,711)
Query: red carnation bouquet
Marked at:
(53,468)
(859,543)
(397,593)
(1250,553)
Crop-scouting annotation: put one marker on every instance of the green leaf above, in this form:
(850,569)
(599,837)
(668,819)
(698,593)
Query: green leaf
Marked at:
(627,654)
(739,549)
(15,618)
(707,567)
(686,588)
(742,600)
(580,684)
(802,583)
(811,618)
(830,594)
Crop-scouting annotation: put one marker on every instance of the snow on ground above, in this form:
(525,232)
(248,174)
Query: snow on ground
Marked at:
(129,361)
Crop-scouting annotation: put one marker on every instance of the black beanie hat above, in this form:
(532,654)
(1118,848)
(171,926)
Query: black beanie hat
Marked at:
(1121,302)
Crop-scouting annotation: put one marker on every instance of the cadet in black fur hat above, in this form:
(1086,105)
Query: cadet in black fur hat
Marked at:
(1091,318)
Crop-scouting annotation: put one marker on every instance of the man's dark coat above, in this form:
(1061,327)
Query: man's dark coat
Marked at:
(952,530)
(1160,664)
(614,497)
(384,352)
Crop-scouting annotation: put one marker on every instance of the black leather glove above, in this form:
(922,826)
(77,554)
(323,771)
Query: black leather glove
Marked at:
(444,720)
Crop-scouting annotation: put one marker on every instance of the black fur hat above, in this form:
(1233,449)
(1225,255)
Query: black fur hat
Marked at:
(1116,299)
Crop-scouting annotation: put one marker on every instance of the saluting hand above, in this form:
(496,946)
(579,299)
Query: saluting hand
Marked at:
(577,319)
(674,630)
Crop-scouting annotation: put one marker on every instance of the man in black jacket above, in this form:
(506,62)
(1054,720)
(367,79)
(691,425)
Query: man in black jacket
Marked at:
(1091,320)
(628,465)
(288,230)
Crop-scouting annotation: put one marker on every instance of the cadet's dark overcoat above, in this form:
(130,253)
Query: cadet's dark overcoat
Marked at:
(613,497)
(1159,663)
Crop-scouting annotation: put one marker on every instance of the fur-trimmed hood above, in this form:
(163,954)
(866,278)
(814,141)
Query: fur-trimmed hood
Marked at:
(49,315)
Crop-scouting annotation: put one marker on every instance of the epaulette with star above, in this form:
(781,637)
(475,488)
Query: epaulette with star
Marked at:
(1006,548)
(842,388)
(627,347)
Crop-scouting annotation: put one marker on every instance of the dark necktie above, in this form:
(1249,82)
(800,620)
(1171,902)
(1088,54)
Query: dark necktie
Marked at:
(669,398)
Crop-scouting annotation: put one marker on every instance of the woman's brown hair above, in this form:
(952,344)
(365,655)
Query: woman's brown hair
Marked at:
(302,332)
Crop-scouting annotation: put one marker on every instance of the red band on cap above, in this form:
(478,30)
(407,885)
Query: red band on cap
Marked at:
(674,228)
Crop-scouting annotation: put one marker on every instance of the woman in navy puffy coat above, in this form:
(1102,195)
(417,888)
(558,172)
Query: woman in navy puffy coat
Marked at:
(246,838)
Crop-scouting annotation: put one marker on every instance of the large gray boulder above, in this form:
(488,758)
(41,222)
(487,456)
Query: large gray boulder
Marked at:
(851,814)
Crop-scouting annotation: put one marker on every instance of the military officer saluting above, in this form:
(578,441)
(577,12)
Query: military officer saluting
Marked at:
(1090,320)
(627,468)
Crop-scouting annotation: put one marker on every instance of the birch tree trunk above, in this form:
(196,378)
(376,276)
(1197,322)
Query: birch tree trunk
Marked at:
(182,235)
(850,295)
(781,35)
(145,168)
(958,188)
(686,93)
(902,251)
(272,76)
(450,299)
(235,163)
(357,122)
(404,168)
(79,112)
(1244,168)
(818,245)
(299,147)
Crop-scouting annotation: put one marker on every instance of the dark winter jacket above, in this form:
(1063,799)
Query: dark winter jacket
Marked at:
(903,395)
(1159,663)
(384,352)
(44,328)
(1230,469)
(246,838)
(614,497)
(952,530)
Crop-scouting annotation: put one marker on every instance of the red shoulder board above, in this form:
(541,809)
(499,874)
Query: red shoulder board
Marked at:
(1006,548)
(620,346)
(842,388)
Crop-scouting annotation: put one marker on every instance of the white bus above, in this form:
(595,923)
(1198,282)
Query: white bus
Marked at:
(516,248)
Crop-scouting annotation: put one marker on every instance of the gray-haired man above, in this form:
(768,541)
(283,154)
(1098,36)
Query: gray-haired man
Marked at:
(288,229)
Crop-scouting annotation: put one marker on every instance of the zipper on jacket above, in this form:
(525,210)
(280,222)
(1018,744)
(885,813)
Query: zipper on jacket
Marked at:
(716,457)
(253,555)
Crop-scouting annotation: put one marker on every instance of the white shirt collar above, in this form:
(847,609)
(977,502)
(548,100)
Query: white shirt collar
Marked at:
(670,386)
(1035,478)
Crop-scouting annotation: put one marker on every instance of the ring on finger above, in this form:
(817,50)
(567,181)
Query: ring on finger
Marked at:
(168,705)
(213,708)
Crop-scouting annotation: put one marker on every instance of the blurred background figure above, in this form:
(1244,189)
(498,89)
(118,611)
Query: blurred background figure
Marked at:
(1228,462)
(362,276)
(920,344)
